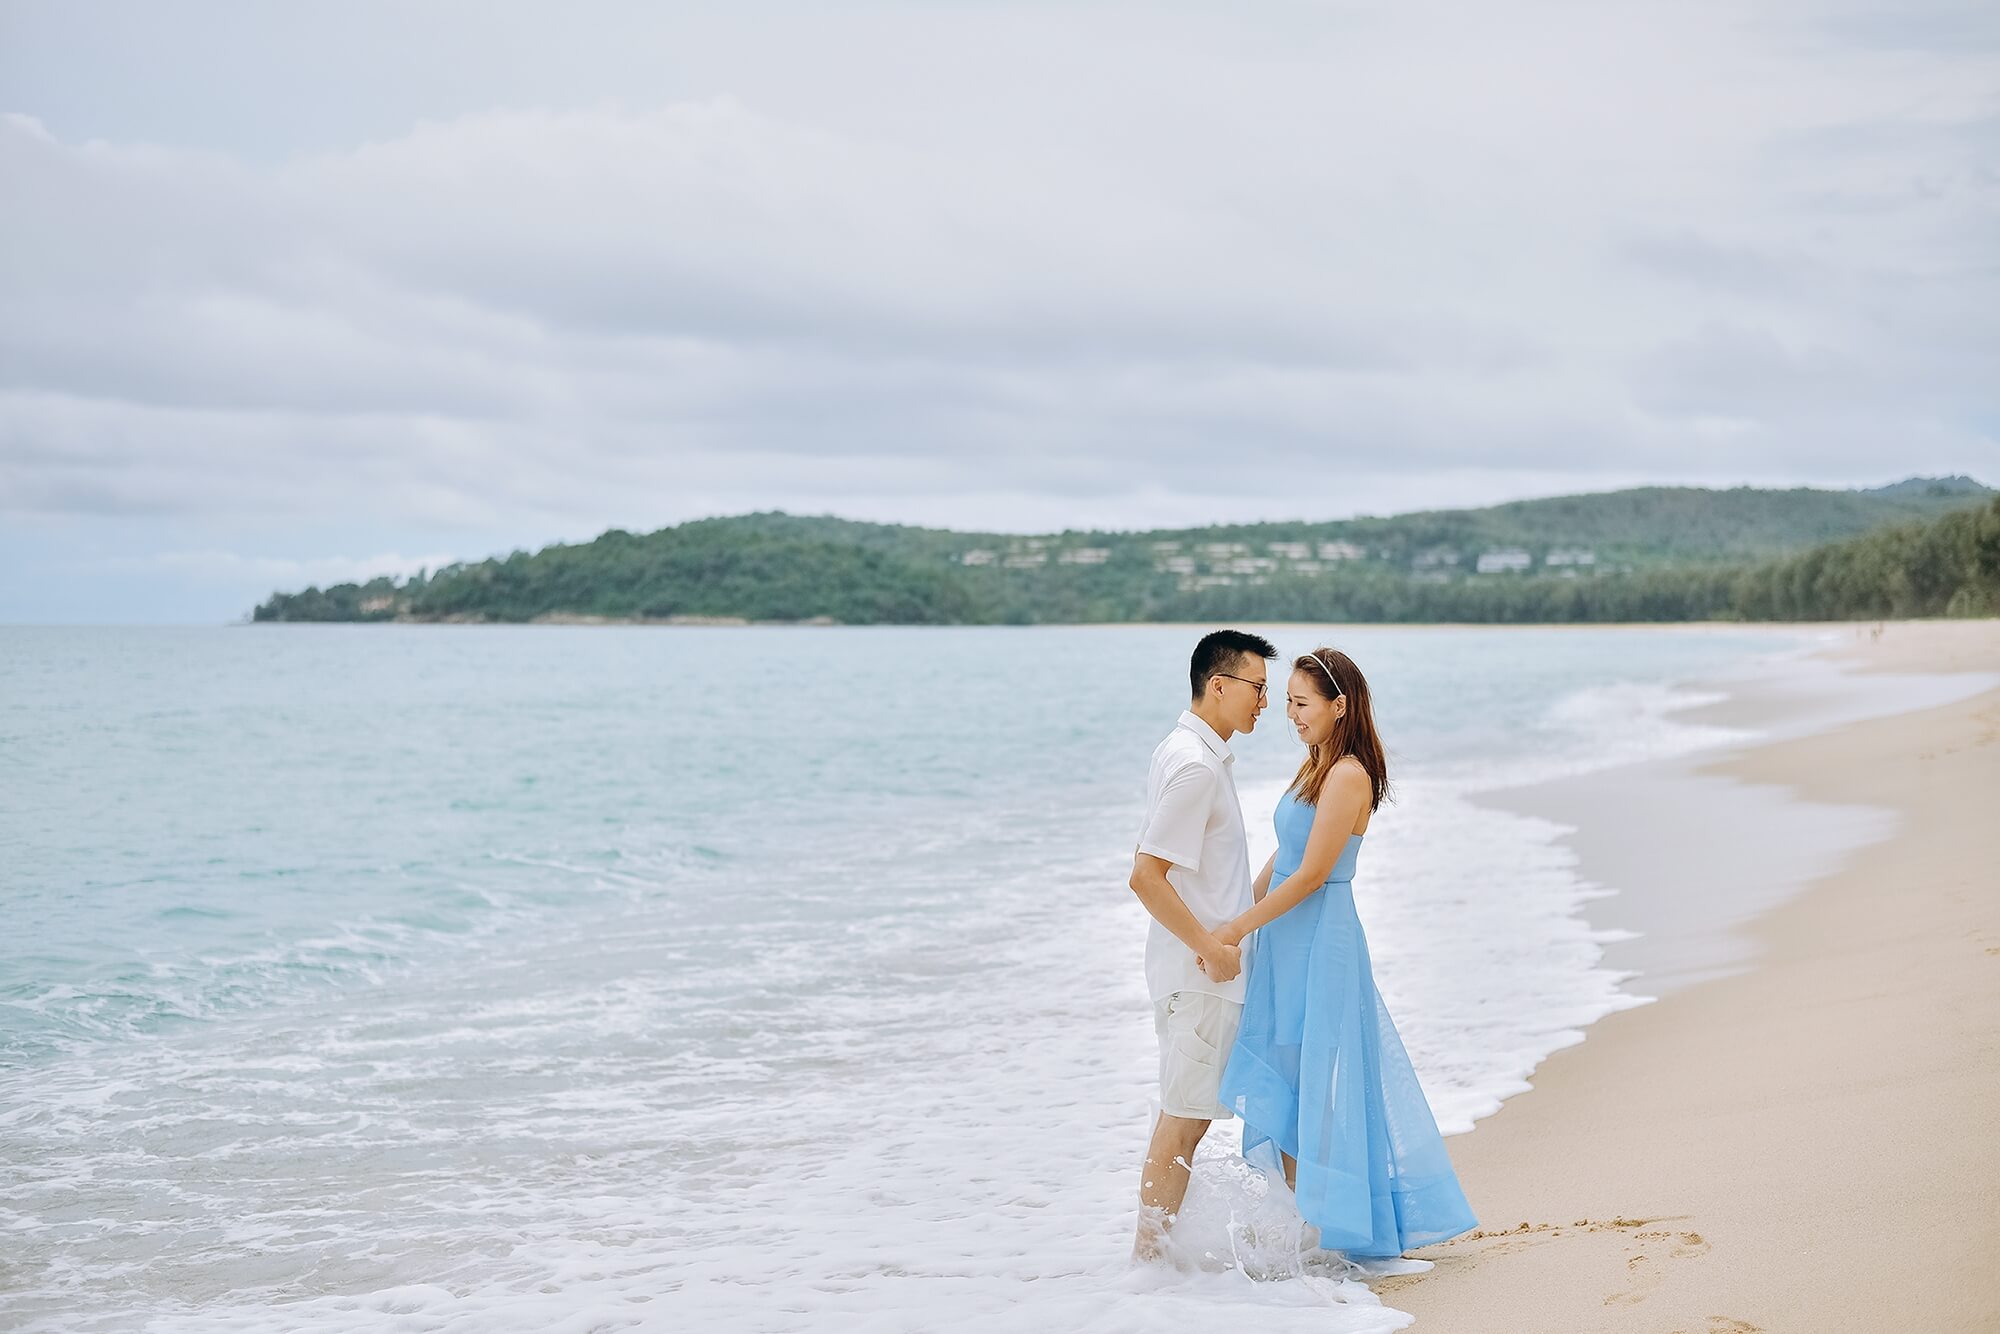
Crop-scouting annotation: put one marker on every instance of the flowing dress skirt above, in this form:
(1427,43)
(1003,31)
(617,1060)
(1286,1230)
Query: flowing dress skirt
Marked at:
(1319,1073)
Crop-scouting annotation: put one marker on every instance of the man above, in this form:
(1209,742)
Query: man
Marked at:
(1192,871)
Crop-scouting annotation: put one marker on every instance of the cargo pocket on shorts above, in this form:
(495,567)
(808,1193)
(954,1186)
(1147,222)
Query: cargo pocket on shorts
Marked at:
(1190,1047)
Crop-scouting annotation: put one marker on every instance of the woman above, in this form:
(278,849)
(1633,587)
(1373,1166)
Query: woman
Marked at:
(1318,1074)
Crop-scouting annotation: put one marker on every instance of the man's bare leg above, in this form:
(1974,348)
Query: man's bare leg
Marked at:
(1163,1184)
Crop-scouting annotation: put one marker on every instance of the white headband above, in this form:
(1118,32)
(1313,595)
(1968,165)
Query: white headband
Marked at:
(1317,662)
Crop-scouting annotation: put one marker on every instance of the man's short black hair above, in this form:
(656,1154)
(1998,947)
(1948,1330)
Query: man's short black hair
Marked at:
(1219,651)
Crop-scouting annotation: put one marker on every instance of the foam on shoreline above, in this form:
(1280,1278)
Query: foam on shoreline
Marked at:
(1812,1085)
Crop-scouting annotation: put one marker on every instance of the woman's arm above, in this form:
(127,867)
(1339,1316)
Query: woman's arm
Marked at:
(1263,880)
(1341,801)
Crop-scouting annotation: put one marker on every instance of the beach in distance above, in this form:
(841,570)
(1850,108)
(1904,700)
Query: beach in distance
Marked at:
(1817,1083)
(771,978)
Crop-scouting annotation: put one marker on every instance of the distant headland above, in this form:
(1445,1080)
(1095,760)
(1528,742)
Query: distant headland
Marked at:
(1921,547)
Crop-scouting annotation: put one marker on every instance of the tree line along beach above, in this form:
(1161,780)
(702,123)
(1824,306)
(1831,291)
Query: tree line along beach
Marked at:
(1923,547)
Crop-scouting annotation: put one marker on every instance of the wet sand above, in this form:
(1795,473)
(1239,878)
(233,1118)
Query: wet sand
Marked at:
(1803,1135)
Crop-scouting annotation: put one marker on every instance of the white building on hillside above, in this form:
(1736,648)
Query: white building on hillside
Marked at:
(1570,556)
(1504,560)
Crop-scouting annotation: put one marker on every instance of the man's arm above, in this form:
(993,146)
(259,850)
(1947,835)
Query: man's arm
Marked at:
(1149,881)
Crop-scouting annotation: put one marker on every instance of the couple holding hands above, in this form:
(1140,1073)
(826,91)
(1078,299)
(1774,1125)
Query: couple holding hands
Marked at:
(1263,997)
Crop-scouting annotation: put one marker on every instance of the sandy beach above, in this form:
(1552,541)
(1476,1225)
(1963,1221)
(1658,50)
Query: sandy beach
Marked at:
(1809,1141)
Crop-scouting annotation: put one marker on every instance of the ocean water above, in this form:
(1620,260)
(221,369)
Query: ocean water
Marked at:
(550,978)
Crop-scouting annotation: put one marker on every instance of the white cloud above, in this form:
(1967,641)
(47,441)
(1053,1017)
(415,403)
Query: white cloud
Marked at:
(1004,266)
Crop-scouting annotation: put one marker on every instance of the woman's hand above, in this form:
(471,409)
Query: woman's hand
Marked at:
(1222,964)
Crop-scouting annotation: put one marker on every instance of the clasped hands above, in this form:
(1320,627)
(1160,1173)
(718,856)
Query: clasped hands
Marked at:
(1224,960)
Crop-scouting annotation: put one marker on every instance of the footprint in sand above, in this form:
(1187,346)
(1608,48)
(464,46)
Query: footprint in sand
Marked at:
(1653,1251)
(1501,1241)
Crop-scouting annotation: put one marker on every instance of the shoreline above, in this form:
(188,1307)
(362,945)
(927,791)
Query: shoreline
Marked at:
(1817,1075)
(1779,841)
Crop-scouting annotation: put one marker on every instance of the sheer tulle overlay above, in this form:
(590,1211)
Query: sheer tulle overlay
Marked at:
(1319,1073)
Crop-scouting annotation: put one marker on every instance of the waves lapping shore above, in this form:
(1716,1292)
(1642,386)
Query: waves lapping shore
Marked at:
(1813,1083)
(764,1015)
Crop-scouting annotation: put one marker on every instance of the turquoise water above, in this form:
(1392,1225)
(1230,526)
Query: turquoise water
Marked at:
(497,975)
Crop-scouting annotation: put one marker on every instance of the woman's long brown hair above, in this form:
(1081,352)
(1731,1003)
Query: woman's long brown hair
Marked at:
(1333,673)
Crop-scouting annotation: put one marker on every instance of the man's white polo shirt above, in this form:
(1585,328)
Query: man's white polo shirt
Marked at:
(1193,820)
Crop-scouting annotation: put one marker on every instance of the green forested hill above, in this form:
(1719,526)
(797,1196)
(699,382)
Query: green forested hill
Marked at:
(1653,553)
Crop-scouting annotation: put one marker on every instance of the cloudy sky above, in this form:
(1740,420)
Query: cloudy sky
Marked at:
(303,292)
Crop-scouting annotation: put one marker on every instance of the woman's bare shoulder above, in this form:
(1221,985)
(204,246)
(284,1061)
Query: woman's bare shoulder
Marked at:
(1349,777)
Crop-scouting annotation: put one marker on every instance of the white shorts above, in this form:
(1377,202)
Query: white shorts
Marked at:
(1196,1030)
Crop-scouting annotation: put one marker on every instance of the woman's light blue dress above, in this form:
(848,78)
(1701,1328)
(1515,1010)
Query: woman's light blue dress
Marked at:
(1319,1073)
